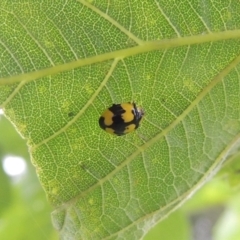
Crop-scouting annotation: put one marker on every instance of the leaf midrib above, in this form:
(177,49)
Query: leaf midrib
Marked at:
(123,53)
(211,171)
(217,79)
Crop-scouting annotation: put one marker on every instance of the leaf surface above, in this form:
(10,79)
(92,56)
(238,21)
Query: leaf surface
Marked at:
(64,62)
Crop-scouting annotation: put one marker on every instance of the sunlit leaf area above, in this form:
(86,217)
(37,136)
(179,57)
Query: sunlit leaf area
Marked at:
(162,78)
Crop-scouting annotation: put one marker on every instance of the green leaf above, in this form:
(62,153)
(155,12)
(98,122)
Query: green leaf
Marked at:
(64,62)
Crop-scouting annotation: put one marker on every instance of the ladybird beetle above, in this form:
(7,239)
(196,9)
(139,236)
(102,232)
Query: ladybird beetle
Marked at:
(120,119)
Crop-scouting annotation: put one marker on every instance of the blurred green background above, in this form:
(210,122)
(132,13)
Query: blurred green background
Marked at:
(213,213)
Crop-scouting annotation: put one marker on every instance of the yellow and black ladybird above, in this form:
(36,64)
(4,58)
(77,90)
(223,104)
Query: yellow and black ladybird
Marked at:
(120,119)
